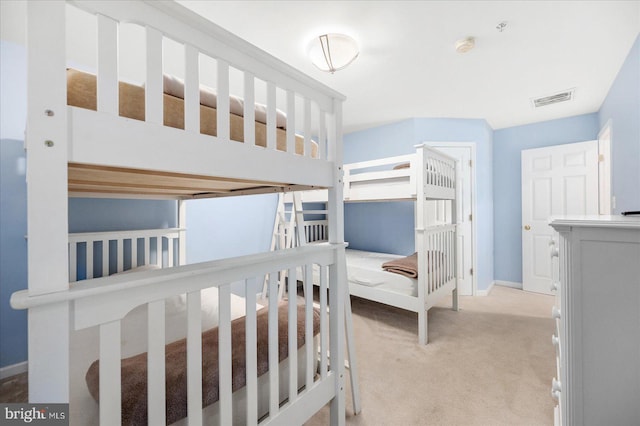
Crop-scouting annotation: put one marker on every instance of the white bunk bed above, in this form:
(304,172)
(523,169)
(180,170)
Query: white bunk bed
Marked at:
(100,151)
(426,177)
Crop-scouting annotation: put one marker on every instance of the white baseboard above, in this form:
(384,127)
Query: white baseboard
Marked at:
(511,284)
(12,370)
(487,291)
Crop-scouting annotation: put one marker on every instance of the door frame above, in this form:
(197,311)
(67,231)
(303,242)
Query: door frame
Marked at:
(473,188)
(606,201)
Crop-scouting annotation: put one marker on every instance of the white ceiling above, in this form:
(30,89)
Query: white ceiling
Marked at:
(408,66)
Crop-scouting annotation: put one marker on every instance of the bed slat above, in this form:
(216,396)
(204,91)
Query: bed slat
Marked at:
(308,333)
(224,354)
(73,262)
(307,127)
(120,254)
(223,101)
(251,354)
(324,334)
(110,384)
(170,261)
(249,110)
(191,90)
(291,122)
(156,363)
(107,79)
(322,135)
(89,259)
(274,371)
(271,115)
(147,250)
(293,335)
(194,358)
(153,104)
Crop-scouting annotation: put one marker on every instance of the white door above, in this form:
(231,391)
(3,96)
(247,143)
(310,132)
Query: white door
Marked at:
(464,154)
(556,180)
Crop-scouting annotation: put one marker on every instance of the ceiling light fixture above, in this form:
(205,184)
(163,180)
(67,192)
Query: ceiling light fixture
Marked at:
(466,44)
(332,52)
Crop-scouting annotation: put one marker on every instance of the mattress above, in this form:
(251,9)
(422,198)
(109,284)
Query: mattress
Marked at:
(81,92)
(134,369)
(84,344)
(365,268)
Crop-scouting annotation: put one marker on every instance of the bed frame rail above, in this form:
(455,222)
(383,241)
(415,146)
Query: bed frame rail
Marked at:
(103,302)
(99,137)
(99,254)
(427,174)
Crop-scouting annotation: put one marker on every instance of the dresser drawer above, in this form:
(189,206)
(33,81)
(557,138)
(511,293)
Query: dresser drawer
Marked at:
(597,332)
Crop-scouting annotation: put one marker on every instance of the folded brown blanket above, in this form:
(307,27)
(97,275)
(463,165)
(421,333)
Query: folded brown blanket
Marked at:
(134,369)
(402,166)
(407,266)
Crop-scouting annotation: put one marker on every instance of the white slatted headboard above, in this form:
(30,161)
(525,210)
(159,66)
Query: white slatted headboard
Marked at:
(99,254)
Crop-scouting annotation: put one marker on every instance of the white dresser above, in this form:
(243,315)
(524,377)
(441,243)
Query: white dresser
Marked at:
(597,327)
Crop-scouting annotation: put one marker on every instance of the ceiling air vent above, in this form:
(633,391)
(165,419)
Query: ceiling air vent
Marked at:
(563,96)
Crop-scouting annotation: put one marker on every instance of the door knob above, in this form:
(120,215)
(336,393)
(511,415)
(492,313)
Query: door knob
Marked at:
(527,227)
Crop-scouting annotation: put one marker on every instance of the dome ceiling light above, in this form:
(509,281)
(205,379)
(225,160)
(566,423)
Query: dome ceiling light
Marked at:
(332,52)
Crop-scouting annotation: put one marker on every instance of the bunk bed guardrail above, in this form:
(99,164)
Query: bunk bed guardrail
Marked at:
(103,302)
(428,173)
(90,253)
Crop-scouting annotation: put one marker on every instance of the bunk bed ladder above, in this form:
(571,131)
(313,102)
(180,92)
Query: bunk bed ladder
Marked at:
(304,235)
(282,238)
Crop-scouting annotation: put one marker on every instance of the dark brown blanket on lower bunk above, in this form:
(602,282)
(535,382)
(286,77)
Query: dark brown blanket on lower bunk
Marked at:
(134,369)
(407,266)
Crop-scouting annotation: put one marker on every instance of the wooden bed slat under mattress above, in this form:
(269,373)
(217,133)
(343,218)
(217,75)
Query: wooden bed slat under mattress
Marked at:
(85,178)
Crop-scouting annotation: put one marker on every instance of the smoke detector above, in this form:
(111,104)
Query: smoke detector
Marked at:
(466,44)
(565,95)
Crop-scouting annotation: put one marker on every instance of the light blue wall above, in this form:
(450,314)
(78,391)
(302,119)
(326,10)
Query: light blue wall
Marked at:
(103,214)
(13,90)
(394,222)
(622,107)
(13,250)
(13,201)
(228,227)
(507,177)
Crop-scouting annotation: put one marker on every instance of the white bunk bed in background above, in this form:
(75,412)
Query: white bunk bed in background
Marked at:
(428,177)
(101,289)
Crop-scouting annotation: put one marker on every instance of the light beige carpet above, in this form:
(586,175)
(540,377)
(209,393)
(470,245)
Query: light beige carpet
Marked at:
(491,363)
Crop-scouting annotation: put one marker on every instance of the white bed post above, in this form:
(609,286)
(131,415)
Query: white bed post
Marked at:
(421,245)
(337,271)
(182,225)
(454,221)
(47,217)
